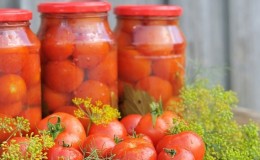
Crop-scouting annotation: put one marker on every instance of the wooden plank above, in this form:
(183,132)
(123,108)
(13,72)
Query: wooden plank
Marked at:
(244,51)
(204,24)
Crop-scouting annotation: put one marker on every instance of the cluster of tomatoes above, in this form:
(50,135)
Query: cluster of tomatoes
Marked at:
(78,60)
(151,56)
(20,81)
(134,137)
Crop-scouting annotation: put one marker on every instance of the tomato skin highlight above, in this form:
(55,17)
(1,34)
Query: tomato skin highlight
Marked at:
(187,140)
(159,129)
(130,122)
(134,149)
(58,152)
(73,132)
(112,129)
(180,154)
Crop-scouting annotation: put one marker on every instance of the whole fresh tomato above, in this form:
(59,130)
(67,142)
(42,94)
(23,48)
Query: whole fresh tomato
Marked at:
(112,129)
(175,154)
(58,152)
(134,149)
(101,143)
(140,135)
(64,128)
(187,140)
(130,122)
(156,124)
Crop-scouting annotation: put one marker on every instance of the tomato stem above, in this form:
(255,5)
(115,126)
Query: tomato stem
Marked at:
(156,110)
(56,128)
(65,144)
(170,152)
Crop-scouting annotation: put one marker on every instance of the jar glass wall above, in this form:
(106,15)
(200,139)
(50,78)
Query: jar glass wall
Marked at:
(78,54)
(151,53)
(20,81)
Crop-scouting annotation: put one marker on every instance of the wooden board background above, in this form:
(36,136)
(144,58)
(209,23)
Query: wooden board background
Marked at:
(223,41)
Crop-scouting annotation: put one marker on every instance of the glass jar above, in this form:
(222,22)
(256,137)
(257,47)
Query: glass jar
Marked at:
(78,54)
(151,54)
(20,82)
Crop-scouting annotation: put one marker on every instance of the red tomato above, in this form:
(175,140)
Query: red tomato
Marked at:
(71,130)
(12,89)
(112,129)
(89,55)
(146,40)
(101,143)
(134,149)
(12,109)
(31,71)
(58,43)
(159,129)
(187,140)
(107,66)
(94,89)
(54,99)
(156,87)
(59,152)
(131,67)
(63,76)
(70,110)
(140,135)
(130,122)
(12,59)
(175,154)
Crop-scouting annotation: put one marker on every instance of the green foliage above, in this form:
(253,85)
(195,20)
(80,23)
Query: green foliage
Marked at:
(37,144)
(14,125)
(98,113)
(135,101)
(208,112)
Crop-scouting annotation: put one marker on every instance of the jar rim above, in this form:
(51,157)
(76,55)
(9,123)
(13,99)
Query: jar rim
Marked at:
(148,10)
(73,7)
(13,15)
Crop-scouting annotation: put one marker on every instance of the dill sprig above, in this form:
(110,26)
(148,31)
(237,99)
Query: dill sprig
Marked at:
(98,112)
(14,126)
(208,112)
(37,145)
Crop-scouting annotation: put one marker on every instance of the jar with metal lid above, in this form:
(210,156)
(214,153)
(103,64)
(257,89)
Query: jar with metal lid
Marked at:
(20,82)
(151,52)
(78,54)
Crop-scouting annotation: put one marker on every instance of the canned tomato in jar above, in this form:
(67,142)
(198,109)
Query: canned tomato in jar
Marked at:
(78,54)
(151,52)
(20,82)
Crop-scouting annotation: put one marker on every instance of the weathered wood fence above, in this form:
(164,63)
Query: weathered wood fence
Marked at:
(223,40)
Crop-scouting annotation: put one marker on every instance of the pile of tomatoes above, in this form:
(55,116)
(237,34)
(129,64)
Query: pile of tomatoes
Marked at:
(135,137)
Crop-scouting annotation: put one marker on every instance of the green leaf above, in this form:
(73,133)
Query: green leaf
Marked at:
(135,101)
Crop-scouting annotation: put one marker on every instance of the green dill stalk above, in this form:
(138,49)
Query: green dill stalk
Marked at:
(208,112)
(98,113)
(37,144)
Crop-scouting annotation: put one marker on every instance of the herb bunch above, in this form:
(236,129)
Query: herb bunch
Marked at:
(208,112)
